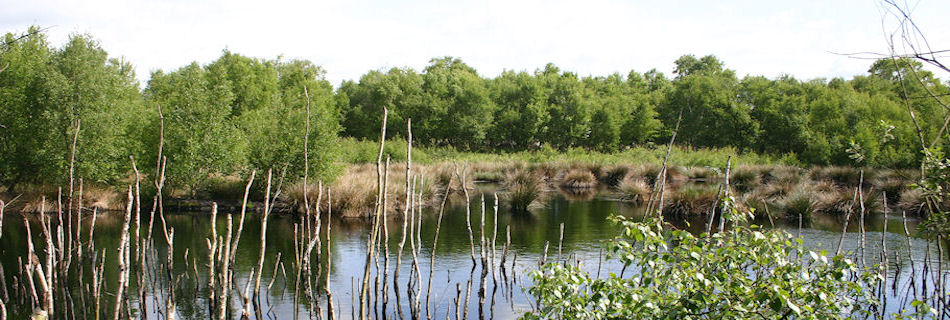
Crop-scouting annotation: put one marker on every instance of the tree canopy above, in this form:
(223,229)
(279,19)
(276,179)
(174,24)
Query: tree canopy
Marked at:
(240,113)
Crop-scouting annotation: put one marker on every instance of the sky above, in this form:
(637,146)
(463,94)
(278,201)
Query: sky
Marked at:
(802,38)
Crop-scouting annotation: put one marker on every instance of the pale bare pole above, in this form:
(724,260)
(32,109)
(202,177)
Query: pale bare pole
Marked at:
(212,252)
(847,218)
(31,260)
(884,260)
(237,235)
(260,256)
(726,194)
(72,161)
(371,242)
(468,212)
(656,196)
(410,200)
(481,235)
(418,250)
(405,213)
(224,270)
(494,237)
(78,217)
(414,254)
(123,258)
(319,247)
(326,287)
(435,244)
(385,244)
(306,157)
(160,163)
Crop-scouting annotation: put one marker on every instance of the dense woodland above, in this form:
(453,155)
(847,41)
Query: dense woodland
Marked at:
(239,113)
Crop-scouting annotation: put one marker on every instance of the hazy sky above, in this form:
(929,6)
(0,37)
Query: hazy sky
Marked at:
(593,37)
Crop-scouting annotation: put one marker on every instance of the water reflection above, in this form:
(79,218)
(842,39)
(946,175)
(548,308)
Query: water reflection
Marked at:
(532,237)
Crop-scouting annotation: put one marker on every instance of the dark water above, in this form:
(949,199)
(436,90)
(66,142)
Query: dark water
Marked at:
(585,221)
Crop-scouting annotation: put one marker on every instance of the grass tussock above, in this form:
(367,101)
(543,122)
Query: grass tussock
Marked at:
(525,188)
(634,189)
(103,198)
(745,178)
(914,202)
(691,200)
(578,179)
(841,176)
(798,203)
(613,175)
(702,174)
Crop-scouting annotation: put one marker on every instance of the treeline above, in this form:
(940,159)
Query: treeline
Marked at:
(239,113)
(862,121)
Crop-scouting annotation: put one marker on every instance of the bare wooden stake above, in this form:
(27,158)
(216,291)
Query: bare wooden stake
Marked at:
(560,242)
(371,242)
(468,211)
(263,250)
(212,252)
(435,244)
(237,236)
(326,286)
(123,258)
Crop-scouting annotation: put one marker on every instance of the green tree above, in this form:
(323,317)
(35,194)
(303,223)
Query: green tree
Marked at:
(24,85)
(253,82)
(521,111)
(103,95)
(780,109)
(199,138)
(399,90)
(568,122)
(46,92)
(712,116)
(276,133)
(460,108)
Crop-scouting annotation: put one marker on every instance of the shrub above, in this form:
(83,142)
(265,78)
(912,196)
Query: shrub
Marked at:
(681,275)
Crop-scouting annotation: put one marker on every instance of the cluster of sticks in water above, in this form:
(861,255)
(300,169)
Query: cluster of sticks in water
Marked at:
(67,279)
(45,281)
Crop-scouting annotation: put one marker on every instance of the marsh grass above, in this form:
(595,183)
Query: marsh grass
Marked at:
(691,200)
(578,178)
(914,202)
(525,188)
(612,175)
(745,178)
(841,176)
(102,198)
(798,203)
(229,188)
(634,189)
(702,174)
(95,196)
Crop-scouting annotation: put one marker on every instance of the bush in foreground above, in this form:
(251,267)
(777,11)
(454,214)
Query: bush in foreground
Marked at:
(742,273)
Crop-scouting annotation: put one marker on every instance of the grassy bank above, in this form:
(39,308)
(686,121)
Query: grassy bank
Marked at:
(777,187)
(362,151)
